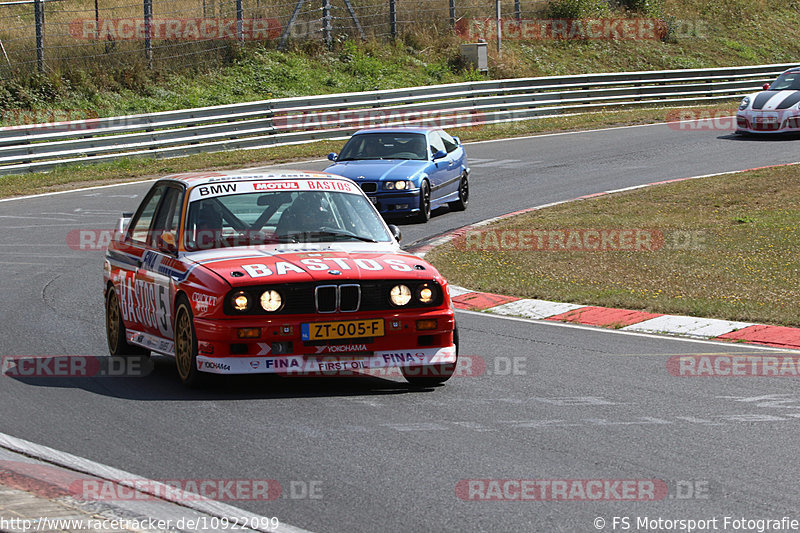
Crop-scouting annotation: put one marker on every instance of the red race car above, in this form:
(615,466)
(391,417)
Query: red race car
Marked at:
(281,272)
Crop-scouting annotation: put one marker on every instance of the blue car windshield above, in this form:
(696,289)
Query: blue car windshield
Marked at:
(789,81)
(385,146)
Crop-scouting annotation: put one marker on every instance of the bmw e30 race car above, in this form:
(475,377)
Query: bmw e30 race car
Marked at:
(776,109)
(284,272)
(406,172)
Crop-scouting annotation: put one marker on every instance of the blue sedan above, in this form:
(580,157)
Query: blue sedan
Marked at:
(406,172)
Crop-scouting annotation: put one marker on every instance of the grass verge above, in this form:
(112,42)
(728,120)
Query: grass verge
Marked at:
(728,250)
(75,176)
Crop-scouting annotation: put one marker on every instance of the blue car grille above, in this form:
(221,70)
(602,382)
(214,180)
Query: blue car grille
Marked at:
(369,187)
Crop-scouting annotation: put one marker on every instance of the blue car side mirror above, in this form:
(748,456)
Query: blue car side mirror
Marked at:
(457,140)
(440,154)
(332,156)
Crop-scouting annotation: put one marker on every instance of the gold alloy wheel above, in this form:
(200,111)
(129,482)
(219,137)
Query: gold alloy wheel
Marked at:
(184,345)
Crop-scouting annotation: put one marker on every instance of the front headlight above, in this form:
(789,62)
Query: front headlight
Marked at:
(745,103)
(240,301)
(271,301)
(400,295)
(426,294)
(397,185)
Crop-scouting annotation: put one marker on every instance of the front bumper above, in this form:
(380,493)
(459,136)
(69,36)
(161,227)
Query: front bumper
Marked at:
(281,348)
(396,203)
(777,121)
(339,365)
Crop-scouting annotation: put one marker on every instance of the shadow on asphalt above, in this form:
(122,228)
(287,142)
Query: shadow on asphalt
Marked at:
(405,221)
(761,137)
(162,384)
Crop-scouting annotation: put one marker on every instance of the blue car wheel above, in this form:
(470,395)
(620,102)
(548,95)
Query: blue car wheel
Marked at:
(463,195)
(424,203)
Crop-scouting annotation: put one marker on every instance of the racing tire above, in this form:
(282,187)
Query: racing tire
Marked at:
(424,214)
(463,195)
(115,330)
(432,375)
(186,346)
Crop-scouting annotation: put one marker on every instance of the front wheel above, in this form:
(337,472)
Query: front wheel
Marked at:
(424,203)
(115,330)
(186,347)
(463,195)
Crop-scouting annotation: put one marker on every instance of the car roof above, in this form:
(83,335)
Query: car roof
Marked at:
(395,130)
(193,179)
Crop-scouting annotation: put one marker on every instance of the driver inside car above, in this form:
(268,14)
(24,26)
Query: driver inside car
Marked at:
(207,226)
(306,214)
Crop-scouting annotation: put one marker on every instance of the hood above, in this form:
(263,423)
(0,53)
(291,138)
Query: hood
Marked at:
(245,267)
(380,169)
(771,100)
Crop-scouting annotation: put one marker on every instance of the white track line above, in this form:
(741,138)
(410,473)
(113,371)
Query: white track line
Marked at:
(82,189)
(597,329)
(153,488)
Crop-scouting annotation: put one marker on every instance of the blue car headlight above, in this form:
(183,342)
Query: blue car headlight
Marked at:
(400,185)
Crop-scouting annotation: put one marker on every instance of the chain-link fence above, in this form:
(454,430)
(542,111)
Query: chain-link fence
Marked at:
(49,35)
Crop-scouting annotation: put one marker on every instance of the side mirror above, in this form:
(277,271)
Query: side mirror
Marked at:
(166,242)
(766,87)
(332,156)
(395,232)
(457,140)
(122,226)
(439,155)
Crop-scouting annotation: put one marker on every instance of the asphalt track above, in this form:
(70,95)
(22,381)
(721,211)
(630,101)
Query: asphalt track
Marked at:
(582,403)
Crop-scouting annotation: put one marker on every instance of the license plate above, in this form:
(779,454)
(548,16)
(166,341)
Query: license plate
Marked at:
(765,119)
(373,200)
(350,329)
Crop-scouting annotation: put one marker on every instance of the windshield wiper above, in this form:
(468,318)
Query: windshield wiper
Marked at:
(340,234)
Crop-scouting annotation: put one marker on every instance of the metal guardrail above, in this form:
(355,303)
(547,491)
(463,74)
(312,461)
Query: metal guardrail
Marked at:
(296,120)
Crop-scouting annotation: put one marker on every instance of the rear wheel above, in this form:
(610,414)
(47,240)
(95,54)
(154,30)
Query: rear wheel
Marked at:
(424,214)
(432,375)
(115,330)
(186,346)
(463,195)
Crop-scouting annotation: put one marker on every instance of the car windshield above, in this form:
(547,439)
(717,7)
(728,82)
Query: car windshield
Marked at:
(253,219)
(385,146)
(789,81)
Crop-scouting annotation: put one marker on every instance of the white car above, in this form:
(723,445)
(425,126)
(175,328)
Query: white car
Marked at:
(776,109)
